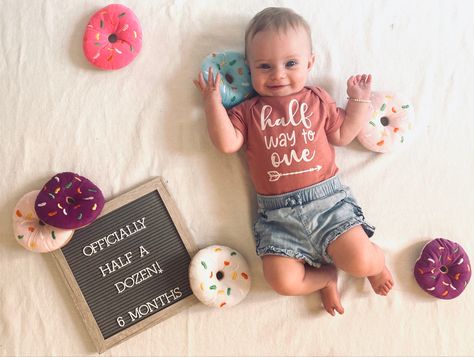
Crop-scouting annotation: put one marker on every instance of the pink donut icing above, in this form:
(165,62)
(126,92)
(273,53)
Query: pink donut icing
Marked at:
(33,234)
(113,37)
(390,124)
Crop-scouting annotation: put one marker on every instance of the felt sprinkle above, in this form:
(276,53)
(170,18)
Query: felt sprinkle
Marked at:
(68,185)
(222,305)
(234,275)
(42,204)
(117,50)
(32,245)
(220,292)
(430,289)
(228,291)
(213,287)
(91,190)
(97,43)
(101,24)
(56,178)
(110,58)
(232,62)
(20,237)
(31,229)
(394,110)
(64,212)
(226,263)
(77,178)
(204,264)
(402,139)
(233,99)
(76,206)
(57,190)
(405,106)
(89,198)
(53,213)
(245,276)
(79,191)
(135,34)
(233,253)
(372,123)
(212,274)
(395,130)
(456,277)
(79,217)
(18,213)
(97,36)
(445,293)
(122,14)
(382,108)
(29,216)
(131,48)
(240,71)
(218,250)
(51,195)
(96,55)
(59,206)
(94,207)
(380,143)
(53,235)
(125,28)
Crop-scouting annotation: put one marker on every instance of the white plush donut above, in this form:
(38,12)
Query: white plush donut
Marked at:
(219,276)
(390,124)
(32,233)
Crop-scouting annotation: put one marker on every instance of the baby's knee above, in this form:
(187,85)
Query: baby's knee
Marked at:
(366,262)
(283,284)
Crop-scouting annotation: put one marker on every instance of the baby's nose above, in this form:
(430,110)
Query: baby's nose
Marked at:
(278,73)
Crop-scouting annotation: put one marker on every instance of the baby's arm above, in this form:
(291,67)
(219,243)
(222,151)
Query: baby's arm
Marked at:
(358,87)
(223,134)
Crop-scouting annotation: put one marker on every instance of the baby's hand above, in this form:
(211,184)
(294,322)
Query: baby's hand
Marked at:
(211,90)
(359,86)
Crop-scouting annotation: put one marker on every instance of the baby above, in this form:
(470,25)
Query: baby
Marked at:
(308,222)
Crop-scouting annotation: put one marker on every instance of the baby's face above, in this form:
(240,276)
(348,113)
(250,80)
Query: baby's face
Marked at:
(279,61)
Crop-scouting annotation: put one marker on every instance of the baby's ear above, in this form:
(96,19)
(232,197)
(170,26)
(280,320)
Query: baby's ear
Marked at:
(311,61)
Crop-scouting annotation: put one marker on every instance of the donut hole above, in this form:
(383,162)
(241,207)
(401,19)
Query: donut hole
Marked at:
(384,121)
(220,275)
(444,269)
(70,200)
(113,38)
(229,78)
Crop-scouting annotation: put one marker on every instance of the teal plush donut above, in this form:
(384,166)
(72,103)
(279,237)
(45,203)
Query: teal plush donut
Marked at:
(236,84)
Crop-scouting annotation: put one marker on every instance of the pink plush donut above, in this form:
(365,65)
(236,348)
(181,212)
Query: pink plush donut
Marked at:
(443,269)
(113,37)
(390,124)
(32,233)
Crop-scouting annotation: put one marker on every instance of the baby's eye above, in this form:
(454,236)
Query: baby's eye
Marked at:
(264,66)
(291,63)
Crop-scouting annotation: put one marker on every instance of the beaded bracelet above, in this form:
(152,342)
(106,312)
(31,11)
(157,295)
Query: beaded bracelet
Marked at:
(359,100)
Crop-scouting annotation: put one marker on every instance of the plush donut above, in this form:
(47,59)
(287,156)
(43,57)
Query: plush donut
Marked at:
(69,201)
(113,37)
(219,276)
(390,124)
(32,233)
(236,84)
(443,269)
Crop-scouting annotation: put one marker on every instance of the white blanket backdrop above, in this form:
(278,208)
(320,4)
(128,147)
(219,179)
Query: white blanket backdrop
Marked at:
(121,128)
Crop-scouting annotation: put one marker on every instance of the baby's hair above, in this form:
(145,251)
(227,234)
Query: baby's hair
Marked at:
(275,18)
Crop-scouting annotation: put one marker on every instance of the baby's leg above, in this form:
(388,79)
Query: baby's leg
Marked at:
(356,255)
(289,276)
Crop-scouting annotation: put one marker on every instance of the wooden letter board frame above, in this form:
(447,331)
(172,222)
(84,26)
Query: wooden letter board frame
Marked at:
(67,274)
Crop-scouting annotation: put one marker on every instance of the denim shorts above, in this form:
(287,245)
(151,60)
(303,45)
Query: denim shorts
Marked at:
(301,224)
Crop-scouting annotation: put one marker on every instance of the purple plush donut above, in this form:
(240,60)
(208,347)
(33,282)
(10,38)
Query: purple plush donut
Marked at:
(69,201)
(443,269)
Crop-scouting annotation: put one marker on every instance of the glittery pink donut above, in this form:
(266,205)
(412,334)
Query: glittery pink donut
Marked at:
(443,269)
(113,37)
(69,201)
(32,233)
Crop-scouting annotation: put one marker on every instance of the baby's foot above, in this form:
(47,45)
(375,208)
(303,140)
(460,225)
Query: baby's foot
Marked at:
(382,283)
(330,295)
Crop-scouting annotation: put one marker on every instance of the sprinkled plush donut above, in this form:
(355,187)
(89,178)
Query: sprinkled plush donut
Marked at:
(443,269)
(390,124)
(32,233)
(219,276)
(113,37)
(236,84)
(69,201)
